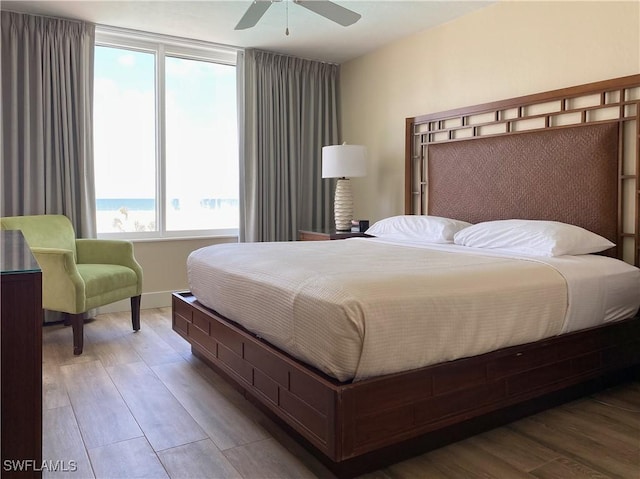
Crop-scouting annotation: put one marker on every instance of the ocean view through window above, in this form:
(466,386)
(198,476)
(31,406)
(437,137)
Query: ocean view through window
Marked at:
(165,138)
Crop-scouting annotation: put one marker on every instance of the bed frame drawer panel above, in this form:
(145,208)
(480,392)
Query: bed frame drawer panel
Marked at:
(307,416)
(586,363)
(266,386)
(538,378)
(235,363)
(181,317)
(370,429)
(181,308)
(202,323)
(311,392)
(227,337)
(459,402)
(181,325)
(569,349)
(459,375)
(199,337)
(271,366)
(629,353)
(386,392)
(522,360)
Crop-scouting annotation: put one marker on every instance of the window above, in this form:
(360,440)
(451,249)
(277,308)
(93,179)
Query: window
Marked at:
(165,138)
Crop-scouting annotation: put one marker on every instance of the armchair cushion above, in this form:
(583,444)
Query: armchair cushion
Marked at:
(114,252)
(104,282)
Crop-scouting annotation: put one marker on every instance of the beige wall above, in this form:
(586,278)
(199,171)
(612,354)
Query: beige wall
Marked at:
(164,264)
(505,50)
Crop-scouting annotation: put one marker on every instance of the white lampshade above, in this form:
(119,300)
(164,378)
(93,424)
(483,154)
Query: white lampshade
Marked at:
(344,161)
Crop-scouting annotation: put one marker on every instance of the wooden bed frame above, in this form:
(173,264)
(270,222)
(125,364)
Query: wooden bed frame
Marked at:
(355,427)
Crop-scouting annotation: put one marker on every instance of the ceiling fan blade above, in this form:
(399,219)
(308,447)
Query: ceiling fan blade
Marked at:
(253,14)
(330,10)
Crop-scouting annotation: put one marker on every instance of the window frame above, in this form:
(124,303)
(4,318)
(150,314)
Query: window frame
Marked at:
(162,46)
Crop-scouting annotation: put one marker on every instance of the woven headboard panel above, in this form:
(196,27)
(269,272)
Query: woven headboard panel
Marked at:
(568,175)
(570,155)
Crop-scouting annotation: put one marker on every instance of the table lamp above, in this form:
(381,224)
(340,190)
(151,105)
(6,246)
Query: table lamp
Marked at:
(343,162)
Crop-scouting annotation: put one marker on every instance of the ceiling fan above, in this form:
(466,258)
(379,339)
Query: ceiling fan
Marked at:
(325,8)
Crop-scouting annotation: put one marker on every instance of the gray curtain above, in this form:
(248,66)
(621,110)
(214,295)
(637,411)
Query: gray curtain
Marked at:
(47,119)
(290,112)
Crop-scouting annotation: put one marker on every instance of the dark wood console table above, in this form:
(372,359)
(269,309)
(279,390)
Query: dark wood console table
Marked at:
(21,359)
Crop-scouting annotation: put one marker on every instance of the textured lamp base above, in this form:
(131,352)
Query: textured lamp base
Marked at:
(343,205)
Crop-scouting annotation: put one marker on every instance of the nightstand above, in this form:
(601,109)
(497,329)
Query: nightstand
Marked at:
(328,234)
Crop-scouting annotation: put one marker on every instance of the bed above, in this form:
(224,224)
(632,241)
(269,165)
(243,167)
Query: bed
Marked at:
(487,162)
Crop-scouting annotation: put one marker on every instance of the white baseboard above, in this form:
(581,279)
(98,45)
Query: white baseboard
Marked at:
(158,299)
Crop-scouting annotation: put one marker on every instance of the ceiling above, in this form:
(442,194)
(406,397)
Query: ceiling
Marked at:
(311,36)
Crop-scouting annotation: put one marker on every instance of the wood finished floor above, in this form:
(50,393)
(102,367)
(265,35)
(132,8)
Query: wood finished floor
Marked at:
(141,405)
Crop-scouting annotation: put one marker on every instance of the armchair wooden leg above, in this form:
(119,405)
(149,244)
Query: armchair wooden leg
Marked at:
(135,312)
(77,324)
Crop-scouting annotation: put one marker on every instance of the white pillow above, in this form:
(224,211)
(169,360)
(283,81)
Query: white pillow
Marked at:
(432,229)
(532,237)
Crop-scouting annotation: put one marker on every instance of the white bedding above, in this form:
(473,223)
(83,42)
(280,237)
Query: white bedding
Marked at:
(601,289)
(360,308)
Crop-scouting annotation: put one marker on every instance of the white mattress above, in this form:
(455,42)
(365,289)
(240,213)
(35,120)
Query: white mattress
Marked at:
(359,308)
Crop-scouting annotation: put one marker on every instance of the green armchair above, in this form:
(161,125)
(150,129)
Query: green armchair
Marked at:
(79,274)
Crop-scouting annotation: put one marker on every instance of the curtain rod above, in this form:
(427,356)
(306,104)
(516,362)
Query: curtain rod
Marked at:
(292,56)
(161,37)
(46,16)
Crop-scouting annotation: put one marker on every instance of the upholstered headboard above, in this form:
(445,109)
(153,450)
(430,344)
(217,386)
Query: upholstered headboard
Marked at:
(570,155)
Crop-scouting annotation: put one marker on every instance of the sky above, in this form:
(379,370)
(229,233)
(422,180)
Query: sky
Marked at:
(201,127)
